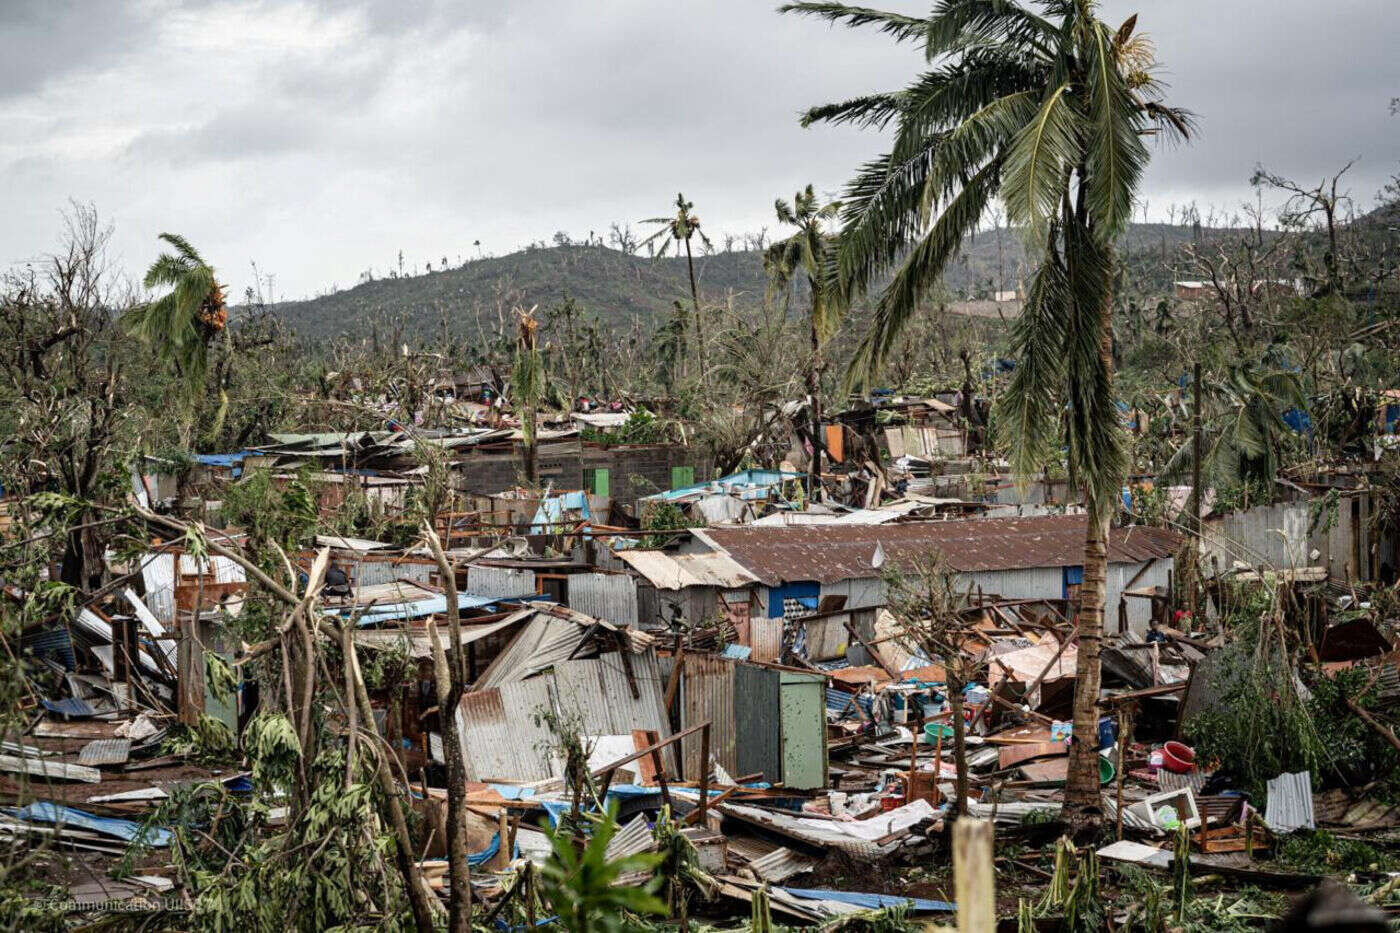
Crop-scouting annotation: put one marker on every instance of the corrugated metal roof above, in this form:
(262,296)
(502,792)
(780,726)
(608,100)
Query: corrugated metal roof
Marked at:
(1290,803)
(601,692)
(677,571)
(551,635)
(501,582)
(829,553)
(420,645)
(781,864)
(632,839)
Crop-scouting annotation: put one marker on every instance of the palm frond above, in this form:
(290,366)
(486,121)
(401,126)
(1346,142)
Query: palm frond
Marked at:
(880,219)
(901,27)
(184,248)
(871,111)
(956,24)
(1116,155)
(919,272)
(1029,410)
(1036,164)
(1097,458)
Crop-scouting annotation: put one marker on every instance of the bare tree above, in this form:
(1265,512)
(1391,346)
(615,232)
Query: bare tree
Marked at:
(61,362)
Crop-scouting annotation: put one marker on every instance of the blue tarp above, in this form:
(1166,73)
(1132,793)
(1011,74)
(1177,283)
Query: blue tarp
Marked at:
(488,853)
(224,460)
(45,812)
(71,706)
(872,901)
(418,608)
(1298,420)
(751,484)
(551,511)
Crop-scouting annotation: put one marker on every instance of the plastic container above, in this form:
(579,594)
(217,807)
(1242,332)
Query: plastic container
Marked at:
(1178,758)
(1106,770)
(932,730)
(1108,733)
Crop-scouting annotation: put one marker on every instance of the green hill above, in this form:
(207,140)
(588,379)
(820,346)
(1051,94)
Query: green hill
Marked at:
(619,288)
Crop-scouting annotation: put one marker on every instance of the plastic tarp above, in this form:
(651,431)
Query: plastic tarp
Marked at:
(45,812)
(551,511)
(872,901)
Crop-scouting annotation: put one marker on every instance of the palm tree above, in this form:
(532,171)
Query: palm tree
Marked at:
(1243,428)
(527,388)
(680,229)
(809,252)
(183,322)
(1042,104)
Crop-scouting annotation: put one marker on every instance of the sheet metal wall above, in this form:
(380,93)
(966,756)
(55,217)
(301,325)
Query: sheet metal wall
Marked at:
(707,692)
(500,739)
(803,704)
(1139,610)
(501,582)
(757,722)
(158,575)
(766,638)
(373,572)
(611,597)
(599,691)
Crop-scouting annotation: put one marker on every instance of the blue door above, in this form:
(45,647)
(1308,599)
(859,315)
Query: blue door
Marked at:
(1073,579)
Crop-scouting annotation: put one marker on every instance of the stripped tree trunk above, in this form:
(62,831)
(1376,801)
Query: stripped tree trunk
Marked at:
(450,684)
(814,394)
(1083,799)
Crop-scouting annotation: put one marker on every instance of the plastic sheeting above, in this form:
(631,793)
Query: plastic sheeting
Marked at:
(45,812)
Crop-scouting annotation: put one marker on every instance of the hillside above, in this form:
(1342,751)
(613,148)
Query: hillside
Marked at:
(619,288)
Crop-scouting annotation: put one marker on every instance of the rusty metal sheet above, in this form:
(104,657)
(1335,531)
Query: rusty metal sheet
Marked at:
(707,692)
(500,739)
(828,553)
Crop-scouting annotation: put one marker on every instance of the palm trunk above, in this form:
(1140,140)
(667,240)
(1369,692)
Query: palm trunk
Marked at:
(527,432)
(695,299)
(1083,800)
(813,393)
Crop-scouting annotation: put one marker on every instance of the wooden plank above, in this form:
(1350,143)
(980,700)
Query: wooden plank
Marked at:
(974,878)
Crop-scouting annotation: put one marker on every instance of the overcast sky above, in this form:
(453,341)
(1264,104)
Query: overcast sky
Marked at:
(317,139)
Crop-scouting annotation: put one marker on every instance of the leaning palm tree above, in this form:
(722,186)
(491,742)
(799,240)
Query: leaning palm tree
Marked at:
(1244,428)
(182,323)
(1042,104)
(680,229)
(809,252)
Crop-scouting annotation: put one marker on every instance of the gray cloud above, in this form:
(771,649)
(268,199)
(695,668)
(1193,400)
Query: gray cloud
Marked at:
(319,137)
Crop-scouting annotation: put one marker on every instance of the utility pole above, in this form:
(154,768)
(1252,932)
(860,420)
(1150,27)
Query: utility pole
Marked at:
(1194,586)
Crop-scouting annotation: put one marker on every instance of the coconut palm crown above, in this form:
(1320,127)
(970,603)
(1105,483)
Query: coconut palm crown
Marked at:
(1045,106)
(181,323)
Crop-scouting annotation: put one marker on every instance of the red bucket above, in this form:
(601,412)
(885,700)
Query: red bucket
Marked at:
(1178,758)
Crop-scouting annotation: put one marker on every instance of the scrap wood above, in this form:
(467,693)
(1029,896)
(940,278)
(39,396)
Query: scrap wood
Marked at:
(1015,754)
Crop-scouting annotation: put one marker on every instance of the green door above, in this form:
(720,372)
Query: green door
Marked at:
(802,700)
